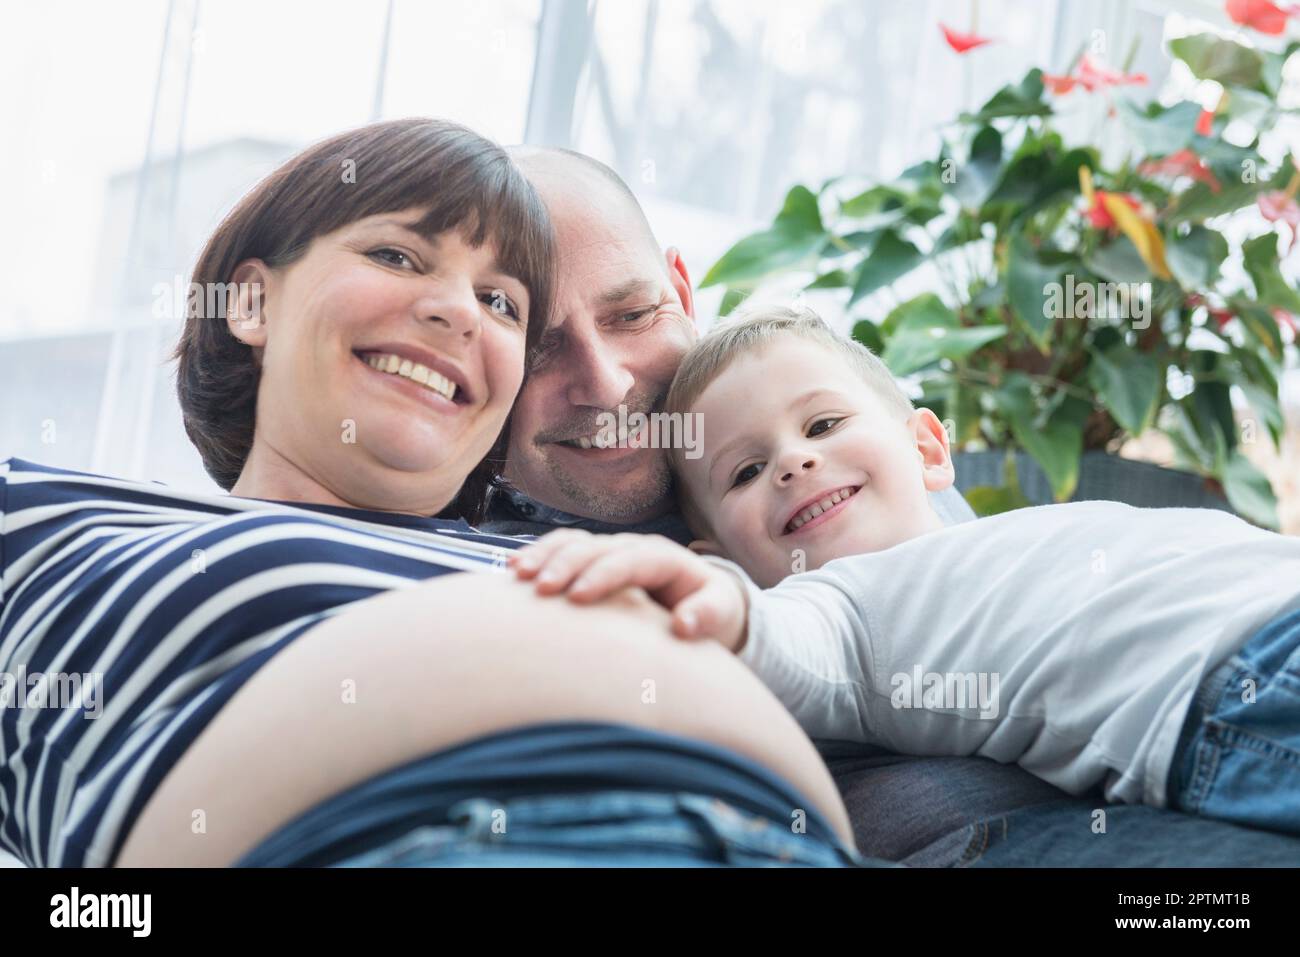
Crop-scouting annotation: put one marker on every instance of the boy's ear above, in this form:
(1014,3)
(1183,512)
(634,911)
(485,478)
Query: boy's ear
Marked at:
(704,546)
(932,446)
(246,304)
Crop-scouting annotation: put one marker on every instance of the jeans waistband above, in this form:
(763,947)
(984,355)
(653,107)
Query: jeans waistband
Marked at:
(549,759)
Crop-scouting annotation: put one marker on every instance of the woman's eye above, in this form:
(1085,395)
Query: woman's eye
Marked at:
(746,474)
(391,257)
(499,302)
(814,430)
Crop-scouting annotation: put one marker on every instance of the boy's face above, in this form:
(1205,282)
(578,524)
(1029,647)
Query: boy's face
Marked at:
(793,430)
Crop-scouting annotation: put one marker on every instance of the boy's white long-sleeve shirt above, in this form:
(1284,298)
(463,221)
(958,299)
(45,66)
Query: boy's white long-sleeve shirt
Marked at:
(1068,638)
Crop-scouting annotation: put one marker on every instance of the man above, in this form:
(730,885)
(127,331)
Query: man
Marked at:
(624,318)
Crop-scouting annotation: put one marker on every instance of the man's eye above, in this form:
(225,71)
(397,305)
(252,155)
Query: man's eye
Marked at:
(391,257)
(746,474)
(630,318)
(499,302)
(814,430)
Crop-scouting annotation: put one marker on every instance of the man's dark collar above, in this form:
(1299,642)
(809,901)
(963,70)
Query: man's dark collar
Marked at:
(510,506)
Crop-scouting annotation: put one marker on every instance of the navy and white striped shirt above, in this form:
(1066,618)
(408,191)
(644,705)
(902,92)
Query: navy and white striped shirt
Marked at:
(171,601)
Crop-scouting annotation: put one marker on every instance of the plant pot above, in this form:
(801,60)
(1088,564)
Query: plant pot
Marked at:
(1101,476)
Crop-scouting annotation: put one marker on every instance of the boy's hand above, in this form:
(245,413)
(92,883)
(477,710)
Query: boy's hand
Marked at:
(706,602)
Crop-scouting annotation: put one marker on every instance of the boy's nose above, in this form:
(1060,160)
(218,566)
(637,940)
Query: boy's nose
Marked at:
(806,464)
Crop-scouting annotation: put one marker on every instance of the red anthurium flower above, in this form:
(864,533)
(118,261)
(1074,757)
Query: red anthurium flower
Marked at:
(1205,123)
(1092,74)
(1261,15)
(1281,207)
(1099,216)
(1060,85)
(1182,163)
(963,42)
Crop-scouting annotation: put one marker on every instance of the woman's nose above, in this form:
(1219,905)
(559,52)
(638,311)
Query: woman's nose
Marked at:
(454,310)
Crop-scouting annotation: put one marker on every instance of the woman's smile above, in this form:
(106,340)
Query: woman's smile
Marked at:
(405,376)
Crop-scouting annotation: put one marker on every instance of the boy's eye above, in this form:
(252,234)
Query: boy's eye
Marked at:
(391,257)
(746,474)
(499,302)
(830,424)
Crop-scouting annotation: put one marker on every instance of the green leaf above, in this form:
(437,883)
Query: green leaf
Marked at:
(1249,491)
(986,500)
(923,330)
(1119,261)
(1028,279)
(976,180)
(893,257)
(1259,110)
(835,279)
(1274,63)
(1211,404)
(1128,383)
(1021,99)
(910,349)
(877,199)
(1259,325)
(1213,58)
(1198,202)
(925,311)
(1265,405)
(1157,131)
(1056,444)
(866,332)
(1195,258)
(1271,288)
(795,239)
(730,300)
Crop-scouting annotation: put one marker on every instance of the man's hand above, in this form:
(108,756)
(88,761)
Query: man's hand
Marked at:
(706,602)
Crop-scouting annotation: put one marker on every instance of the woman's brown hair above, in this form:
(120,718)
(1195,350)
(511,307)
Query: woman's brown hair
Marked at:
(464,182)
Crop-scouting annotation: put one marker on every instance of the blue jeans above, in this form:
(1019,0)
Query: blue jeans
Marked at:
(606,829)
(1238,757)
(564,794)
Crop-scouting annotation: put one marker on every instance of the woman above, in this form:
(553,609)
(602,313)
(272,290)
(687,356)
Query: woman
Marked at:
(293,668)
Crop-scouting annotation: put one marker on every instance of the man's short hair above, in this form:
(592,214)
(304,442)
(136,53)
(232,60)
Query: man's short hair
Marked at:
(753,329)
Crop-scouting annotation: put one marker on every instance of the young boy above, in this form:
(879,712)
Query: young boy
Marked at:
(1152,652)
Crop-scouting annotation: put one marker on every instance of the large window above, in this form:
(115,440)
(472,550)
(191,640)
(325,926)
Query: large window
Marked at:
(132,127)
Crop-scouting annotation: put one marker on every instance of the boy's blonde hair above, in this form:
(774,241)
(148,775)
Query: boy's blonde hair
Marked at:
(753,329)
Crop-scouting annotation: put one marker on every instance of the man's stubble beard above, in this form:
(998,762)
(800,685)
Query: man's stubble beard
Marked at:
(650,496)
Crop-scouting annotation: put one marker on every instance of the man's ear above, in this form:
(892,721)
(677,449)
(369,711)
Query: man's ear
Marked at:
(246,304)
(680,279)
(932,446)
(704,546)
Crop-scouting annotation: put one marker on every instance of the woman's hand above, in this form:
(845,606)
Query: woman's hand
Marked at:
(706,602)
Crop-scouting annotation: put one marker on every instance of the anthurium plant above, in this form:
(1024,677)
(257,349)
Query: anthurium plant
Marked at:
(1073,304)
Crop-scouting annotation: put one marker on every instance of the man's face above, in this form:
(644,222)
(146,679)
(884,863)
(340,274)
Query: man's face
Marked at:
(623,321)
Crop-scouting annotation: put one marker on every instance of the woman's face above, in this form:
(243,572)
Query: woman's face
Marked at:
(347,333)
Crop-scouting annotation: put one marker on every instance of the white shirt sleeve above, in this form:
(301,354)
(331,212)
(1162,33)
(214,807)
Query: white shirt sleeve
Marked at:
(809,642)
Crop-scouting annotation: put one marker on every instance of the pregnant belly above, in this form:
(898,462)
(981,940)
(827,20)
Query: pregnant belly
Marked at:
(411,672)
